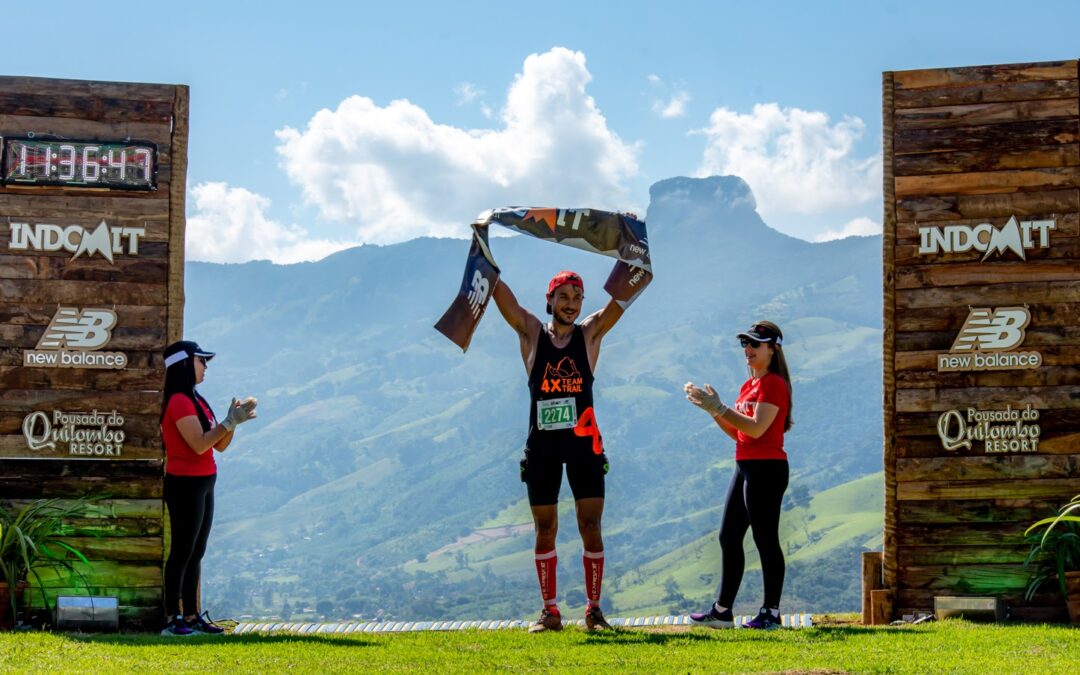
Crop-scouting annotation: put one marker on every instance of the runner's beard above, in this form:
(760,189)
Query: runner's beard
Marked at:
(558,318)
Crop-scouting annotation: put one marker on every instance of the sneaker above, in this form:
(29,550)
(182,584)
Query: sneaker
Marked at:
(549,620)
(713,618)
(765,620)
(176,627)
(594,619)
(202,624)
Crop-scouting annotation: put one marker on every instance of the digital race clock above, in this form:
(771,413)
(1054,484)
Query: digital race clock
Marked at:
(93,164)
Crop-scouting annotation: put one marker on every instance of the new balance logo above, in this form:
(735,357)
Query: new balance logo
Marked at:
(992,330)
(478,294)
(986,339)
(72,340)
(104,240)
(73,328)
(1017,236)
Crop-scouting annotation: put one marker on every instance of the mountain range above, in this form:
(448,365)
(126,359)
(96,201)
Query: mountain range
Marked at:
(381,476)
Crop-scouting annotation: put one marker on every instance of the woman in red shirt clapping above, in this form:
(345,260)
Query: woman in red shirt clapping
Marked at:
(189,430)
(757,423)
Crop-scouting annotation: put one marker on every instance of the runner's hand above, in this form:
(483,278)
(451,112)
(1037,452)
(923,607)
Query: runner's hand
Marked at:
(707,399)
(240,412)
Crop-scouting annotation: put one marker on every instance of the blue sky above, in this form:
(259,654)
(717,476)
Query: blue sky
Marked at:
(318,125)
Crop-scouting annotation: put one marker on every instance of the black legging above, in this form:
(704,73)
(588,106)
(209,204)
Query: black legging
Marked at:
(753,501)
(191,511)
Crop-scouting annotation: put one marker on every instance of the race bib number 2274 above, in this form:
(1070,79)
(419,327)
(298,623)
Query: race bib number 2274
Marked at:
(556,413)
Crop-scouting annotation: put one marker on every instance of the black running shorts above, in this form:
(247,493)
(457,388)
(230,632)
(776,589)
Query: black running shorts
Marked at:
(541,471)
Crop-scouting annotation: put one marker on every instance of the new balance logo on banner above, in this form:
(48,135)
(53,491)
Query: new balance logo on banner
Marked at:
(986,339)
(478,293)
(72,340)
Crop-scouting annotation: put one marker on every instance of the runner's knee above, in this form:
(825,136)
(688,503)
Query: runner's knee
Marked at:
(588,525)
(547,529)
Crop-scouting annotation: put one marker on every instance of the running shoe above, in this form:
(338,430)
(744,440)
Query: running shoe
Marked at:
(176,627)
(713,618)
(594,619)
(202,624)
(549,620)
(765,620)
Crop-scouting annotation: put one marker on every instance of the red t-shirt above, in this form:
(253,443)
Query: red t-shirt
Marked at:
(770,389)
(180,459)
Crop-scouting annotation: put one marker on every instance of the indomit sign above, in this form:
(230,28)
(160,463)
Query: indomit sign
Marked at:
(77,239)
(1016,236)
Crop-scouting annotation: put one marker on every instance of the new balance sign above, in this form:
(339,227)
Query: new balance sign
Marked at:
(72,339)
(987,341)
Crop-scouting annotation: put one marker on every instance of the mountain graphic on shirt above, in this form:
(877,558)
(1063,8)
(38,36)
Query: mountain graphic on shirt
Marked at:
(565,368)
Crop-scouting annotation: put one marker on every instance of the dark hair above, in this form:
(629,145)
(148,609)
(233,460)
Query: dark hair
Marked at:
(180,380)
(778,365)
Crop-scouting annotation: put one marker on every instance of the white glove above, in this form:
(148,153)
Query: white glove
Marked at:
(707,399)
(240,412)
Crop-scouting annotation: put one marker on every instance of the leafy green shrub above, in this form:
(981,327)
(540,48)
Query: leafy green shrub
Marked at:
(1055,547)
(31,540)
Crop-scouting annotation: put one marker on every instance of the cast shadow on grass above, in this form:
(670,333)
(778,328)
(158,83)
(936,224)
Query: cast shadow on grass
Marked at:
(846,633)
(624,636)
(150,640)
(821,634)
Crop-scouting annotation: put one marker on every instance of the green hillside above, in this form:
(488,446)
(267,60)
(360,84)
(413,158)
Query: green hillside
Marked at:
(817,535)
(849,515)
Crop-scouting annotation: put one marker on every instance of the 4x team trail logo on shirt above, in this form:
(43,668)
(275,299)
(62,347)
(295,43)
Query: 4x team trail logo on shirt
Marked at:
(563,378)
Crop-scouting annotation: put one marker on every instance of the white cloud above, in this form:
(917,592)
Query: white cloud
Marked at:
(858,227)
(467,92)
(674,107)
(230,225)
(395,174)
(796,161)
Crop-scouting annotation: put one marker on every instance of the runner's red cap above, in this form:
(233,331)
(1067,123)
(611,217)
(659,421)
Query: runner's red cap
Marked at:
(561,279)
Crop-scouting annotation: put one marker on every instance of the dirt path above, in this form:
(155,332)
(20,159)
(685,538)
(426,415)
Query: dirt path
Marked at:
(486,534)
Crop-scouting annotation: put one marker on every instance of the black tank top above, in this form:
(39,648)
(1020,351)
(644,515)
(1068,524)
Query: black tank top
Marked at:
(559,374)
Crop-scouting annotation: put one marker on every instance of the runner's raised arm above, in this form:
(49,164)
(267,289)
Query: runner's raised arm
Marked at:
(523,321)
(596,326)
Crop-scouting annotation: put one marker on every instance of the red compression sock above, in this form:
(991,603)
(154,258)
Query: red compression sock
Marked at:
(545,574)
(594,575)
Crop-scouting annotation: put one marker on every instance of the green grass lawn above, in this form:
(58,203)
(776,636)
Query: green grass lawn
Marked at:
(952,646)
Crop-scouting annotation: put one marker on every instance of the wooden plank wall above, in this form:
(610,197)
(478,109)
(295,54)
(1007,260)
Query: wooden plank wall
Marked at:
(123,532)
(965,146)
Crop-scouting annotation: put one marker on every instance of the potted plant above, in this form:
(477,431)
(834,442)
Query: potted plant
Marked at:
(31,540)
(1055,552)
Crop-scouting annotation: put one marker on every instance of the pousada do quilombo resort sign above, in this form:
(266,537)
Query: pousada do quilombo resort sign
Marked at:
(981,359)
(92,184)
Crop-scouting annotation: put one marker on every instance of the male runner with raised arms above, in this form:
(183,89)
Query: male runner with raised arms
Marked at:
(560,358)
